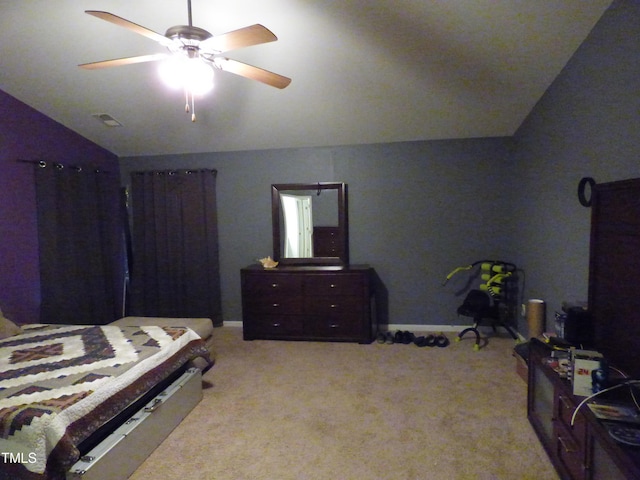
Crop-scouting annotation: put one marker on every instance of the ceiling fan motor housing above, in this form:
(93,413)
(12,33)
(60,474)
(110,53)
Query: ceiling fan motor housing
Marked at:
(187,38)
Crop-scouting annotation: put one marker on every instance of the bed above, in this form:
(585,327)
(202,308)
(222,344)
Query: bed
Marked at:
(63,385)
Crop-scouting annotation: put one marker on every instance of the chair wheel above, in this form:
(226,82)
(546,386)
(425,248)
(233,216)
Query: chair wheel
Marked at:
(476,347)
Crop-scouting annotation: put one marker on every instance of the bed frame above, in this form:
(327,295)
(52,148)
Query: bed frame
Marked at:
(122,451)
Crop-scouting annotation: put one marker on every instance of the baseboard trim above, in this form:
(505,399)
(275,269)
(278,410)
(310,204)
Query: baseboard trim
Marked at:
(483,329)
(409,327)
(232,324)
(392,327)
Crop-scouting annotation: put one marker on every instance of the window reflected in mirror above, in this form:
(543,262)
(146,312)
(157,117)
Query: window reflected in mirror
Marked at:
(297,225)
(310,223)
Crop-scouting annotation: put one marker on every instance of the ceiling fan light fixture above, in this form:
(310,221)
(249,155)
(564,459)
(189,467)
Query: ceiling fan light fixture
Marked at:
(191,74)
(194,54)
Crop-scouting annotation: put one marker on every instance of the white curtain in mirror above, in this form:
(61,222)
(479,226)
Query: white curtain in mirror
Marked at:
(298,225)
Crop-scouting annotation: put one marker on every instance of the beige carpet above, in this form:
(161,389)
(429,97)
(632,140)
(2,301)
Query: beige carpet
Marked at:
(330,411)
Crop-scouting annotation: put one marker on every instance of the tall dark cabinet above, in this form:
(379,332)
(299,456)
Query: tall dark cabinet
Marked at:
(614,273)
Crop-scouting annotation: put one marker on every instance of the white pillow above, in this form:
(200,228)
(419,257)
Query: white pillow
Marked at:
(8,328)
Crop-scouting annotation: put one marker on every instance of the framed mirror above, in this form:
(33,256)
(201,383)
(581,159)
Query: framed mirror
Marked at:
(310,225)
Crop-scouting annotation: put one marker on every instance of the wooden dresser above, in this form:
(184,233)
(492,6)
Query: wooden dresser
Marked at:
(308,303)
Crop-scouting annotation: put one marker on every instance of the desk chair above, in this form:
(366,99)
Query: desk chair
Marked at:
(493,299)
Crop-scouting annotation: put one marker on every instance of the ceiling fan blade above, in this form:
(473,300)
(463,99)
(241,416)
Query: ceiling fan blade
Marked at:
(243,37)
(117,62)
(254,73)
(134,27)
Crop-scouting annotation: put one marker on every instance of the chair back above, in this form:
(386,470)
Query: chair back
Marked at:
(476,299)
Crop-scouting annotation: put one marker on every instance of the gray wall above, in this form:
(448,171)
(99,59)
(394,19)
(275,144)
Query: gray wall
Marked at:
(419,209)
(416,211)
(587,124)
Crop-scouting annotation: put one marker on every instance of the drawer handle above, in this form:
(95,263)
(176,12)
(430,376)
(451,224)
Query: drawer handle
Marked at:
(275,305)
(334,325)
(567,445)
(154,406)
(333,285)
(274,285)
(566,402)
(276,325)
(334,305)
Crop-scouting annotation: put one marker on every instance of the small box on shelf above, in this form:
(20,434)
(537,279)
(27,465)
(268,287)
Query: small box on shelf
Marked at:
(583,363)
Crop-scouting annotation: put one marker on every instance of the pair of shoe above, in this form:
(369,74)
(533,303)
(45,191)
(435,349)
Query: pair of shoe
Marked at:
(407,337)
(425,341)
(404,337)
(432,341)
(385,337)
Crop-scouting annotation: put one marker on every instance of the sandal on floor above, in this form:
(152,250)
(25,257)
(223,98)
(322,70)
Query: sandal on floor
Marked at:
(441,341)
(420,341)
(430,340)
(407,337)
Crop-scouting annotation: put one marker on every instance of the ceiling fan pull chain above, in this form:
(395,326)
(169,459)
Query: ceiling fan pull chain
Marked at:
(190,109)
(193,108)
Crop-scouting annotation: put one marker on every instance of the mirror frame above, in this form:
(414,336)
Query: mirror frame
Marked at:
(343,224)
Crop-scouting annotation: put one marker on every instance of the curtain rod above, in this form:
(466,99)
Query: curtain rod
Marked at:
(60,166)
(175,171)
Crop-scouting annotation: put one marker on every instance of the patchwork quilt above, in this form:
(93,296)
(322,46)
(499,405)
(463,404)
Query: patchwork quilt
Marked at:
(61,383)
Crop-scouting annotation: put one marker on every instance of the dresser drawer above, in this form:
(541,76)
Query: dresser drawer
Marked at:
(570,452)
(571,440)
(334,326)
(565,409)
(333,285)
(264,284)
(272,326)
(277,304)
(333,304)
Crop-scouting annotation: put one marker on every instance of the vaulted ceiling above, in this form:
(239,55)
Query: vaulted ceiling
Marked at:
(364,71)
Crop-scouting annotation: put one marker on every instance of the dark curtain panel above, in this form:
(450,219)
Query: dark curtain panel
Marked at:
(175,245)
(80,244)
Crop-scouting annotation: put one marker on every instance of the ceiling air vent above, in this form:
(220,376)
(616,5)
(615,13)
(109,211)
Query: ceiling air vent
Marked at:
(107,119)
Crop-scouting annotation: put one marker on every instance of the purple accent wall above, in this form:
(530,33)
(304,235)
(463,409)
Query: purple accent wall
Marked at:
(26,134)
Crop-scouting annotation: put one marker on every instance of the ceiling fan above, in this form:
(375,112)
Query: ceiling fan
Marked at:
(194,45)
